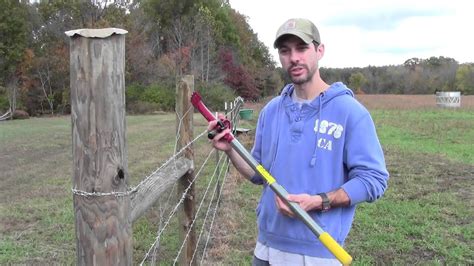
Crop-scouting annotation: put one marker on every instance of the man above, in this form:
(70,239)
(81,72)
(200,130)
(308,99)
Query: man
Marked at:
(320,144)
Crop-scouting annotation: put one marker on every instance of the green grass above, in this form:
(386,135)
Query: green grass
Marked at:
(425,218)
(426,215)
(436,131)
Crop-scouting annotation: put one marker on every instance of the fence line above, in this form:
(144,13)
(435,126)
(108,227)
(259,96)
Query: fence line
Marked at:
(175,208)
(207,213)
(215,212)
(197,212)
(145,180)
(104,205)
(183,195)
(171,214)
(171,159)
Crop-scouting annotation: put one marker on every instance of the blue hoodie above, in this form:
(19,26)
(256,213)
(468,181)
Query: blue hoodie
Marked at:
(325,145)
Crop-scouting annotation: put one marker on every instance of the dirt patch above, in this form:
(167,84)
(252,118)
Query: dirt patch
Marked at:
(431,173)
(419,256)
(22,169)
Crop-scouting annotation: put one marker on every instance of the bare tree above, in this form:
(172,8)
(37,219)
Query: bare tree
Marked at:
(44,75)
(12,92)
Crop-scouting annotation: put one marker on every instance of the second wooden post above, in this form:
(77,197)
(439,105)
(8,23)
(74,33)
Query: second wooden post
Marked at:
(184,130)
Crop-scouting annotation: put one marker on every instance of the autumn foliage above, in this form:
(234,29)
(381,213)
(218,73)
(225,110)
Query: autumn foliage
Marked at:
(237,77)
(170,38)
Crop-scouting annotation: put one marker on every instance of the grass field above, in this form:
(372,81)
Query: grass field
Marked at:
(425,218)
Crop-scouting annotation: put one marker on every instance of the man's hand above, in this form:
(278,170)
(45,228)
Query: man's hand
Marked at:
(307,202)
(218,142)
(337,198)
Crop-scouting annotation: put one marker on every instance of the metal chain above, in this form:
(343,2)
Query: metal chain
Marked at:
(135,189)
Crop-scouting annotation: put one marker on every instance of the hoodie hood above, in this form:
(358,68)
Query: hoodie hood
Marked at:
(336,89)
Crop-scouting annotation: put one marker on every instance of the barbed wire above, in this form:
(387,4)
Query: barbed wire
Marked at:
(234,117)
(199,209)
(214,214)
(136,188)
(176,206)
(164,207)
(226,165)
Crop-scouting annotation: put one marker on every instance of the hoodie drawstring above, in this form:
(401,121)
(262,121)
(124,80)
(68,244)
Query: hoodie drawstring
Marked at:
(284,93)
(313,158)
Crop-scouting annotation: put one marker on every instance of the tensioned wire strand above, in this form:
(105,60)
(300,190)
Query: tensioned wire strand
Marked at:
(215,212)
(137,187)
(176,207)
(199,209)
(172,158)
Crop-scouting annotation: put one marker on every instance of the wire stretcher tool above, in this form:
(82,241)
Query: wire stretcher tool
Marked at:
(323,236)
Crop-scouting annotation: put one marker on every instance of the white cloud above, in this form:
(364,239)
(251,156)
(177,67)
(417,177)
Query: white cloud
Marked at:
(364,32)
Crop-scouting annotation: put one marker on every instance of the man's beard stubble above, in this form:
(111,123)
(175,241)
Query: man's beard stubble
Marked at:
(301,80)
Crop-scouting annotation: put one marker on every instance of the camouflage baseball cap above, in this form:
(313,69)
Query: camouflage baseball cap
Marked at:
(300,27)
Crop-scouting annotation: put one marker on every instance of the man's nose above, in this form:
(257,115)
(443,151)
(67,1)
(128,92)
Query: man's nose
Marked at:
(294,57)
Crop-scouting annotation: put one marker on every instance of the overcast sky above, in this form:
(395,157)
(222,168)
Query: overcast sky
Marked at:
(363,32)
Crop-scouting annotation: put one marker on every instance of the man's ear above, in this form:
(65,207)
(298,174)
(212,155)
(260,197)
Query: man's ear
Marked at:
(320,51)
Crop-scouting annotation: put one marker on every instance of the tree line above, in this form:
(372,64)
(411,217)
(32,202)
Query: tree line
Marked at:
(169,38)
(166,39)
(414,76)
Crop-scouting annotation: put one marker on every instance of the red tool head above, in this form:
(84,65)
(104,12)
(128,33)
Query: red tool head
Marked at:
(196,100)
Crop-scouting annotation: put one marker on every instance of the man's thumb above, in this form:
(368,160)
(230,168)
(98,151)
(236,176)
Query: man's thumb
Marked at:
(290,198)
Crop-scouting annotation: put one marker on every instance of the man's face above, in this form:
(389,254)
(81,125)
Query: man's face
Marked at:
(299,59)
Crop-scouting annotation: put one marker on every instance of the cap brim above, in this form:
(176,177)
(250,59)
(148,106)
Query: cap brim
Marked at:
(303,36)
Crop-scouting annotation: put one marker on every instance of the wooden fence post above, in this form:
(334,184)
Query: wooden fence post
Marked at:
(184,128)
(100,174)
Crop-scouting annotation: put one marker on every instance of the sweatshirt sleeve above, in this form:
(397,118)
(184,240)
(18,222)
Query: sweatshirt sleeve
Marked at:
(364,159)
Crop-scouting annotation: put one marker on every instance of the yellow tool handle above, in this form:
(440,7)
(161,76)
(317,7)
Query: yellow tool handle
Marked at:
(265,174)
(335,248)
(323,236)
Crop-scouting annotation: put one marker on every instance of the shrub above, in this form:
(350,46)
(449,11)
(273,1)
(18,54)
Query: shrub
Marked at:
(20,114)
(133,92)
(141,99)
(237,76)
(140,107)
(158,97)
(215,94)
(162,96)
(4,104)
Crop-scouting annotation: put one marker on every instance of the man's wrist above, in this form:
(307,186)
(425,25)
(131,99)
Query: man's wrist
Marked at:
(325,202)
(339,198)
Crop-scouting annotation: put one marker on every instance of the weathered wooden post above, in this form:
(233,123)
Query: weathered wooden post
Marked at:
(184,128)
(100,174)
